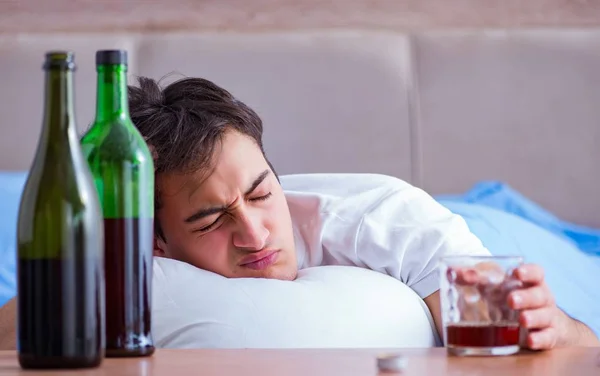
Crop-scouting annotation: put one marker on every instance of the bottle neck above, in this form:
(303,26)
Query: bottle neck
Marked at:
(111,98)
(59,114)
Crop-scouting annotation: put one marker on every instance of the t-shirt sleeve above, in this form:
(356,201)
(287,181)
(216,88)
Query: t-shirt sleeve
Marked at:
(405,233)
(377,222)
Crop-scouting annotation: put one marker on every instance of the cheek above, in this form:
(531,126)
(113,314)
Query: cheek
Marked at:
(215,241)
(210,251)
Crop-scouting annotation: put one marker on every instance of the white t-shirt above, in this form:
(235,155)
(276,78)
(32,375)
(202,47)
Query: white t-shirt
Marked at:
(376,222)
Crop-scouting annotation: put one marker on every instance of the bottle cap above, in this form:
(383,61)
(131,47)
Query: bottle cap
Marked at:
(59,60)
(111,57)
(391,362)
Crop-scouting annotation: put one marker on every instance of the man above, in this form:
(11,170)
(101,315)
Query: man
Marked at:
(220,206)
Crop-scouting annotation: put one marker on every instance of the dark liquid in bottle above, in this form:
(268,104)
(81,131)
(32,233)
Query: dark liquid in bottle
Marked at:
(128,265)
(59,313)
(483,335)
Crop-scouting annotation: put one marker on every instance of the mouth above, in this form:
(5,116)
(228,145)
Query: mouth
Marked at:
(260,260)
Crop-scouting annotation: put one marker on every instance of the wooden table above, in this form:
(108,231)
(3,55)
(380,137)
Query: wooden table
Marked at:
(570,362)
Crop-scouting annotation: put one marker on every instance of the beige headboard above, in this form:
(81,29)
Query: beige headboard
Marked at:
(441,109)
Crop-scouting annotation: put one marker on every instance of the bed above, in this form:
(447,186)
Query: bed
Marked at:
(500,126)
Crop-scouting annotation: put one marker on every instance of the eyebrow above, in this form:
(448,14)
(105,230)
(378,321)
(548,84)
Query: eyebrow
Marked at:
(263,175)
(202,213)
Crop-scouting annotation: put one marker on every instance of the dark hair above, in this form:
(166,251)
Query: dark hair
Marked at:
(185,121)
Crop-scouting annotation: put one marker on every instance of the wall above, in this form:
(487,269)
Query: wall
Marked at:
(131,15)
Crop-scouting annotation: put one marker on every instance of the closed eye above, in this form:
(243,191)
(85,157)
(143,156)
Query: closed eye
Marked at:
(261,198)
(209,227)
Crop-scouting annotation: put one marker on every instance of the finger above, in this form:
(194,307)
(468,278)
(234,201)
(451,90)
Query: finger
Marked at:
(542,339)
(530,298)
(462,276)
(540,318)
(530,273)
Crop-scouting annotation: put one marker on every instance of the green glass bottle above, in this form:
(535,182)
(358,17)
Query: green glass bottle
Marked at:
(123,171)
(60,244)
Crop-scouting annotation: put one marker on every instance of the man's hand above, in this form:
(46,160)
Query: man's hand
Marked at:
(547,326)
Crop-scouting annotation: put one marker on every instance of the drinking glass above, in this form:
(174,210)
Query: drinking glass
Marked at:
(475,313)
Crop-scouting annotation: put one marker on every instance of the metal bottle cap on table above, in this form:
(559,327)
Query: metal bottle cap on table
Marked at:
(392,362)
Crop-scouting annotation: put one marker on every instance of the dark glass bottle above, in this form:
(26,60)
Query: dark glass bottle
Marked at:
(60,244)
(123,170)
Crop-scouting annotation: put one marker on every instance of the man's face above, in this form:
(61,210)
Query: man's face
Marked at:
(235,222)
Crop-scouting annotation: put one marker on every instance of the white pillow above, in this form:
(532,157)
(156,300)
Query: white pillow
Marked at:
(326,306)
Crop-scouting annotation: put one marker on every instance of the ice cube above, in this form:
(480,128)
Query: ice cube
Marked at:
(471,305)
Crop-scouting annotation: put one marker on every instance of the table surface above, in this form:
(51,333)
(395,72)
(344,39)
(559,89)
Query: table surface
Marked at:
(347,362)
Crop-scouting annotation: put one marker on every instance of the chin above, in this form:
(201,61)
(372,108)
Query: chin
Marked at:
(284,273)
(288,275)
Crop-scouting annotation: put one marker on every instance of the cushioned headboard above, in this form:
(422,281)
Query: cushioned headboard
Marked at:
(442,110)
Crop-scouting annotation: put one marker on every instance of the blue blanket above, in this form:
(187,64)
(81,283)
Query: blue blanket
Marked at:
(500,196)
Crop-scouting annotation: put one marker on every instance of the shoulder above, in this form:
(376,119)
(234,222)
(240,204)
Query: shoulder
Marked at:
(341,185)
(358,194)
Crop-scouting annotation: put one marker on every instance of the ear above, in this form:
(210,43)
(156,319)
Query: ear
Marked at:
(160,247)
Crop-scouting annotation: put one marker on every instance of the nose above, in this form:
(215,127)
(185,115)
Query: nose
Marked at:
(250,234)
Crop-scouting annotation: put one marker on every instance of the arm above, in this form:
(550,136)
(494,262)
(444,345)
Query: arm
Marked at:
(435,307)
(8,325)
(547,325)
